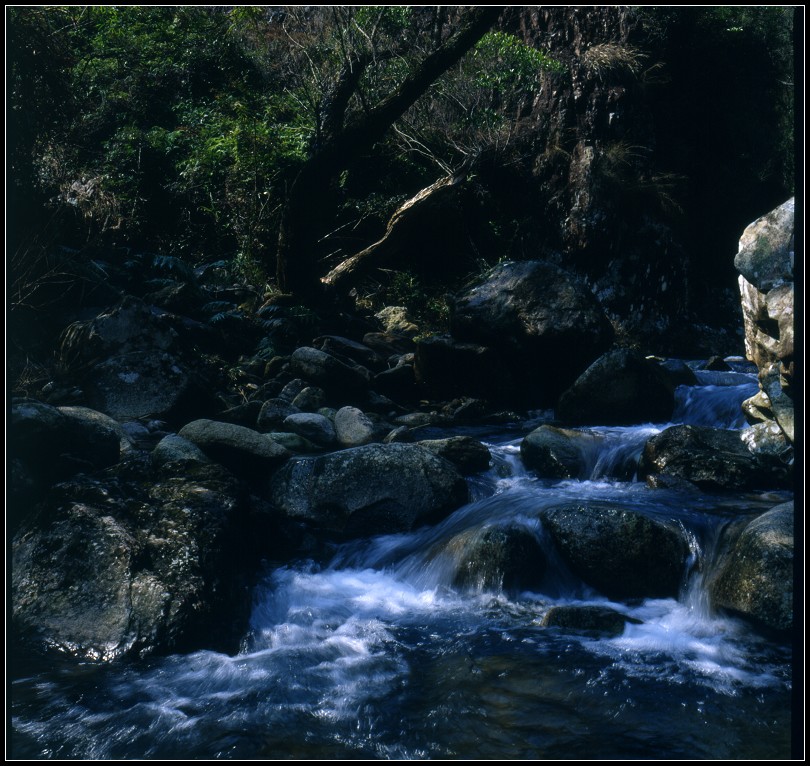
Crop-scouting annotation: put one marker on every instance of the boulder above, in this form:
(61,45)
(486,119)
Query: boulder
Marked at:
(619,551)
(765,261)
(354,428)
(56,444)
(496,559)
(397,321)
(538,316)
(174,448)
(755,579)
(310,399)
(464,452)
(557,453)
(242,450)
(620,388)
(273,413)
(115,568)
(765,257)
(350,351)
(312,426)
(591,620)
(93,416)
(711,458)
(328,372)
(369,490)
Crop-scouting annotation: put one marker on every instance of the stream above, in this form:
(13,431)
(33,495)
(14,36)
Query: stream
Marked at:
(379,652)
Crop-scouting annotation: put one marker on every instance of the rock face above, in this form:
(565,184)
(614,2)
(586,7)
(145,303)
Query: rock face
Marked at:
(620,388)
(536,315)
(369,490)
(113,567)
(620,552)
(765,262)
(711,458)
(756,577)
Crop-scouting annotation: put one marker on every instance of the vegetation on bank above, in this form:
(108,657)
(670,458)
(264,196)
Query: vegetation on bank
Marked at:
(184,131)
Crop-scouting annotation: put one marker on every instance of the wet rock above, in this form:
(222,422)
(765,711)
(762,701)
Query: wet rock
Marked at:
(112,568)
(557,453)
(313,426)
(536,315)
(592,620)
(506,559)
(678,372)
(619,388)
(354,428)
(242,450)
(619,551)
(711,458)
(464,452)
(716,363)
(768,440)
(755,579)
(369,490)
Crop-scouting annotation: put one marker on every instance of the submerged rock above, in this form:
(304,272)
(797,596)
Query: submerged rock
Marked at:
(619,551)
(755,579)
(593,620)
(374,489)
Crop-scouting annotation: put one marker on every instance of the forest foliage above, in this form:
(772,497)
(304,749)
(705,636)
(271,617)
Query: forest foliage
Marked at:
(181,129)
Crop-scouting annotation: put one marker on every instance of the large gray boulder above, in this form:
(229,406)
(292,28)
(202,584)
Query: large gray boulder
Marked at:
(377,488)
(537,316)
(242,450)
(765,261)
(755,579)
(354,428)
(619,551)
(620,388)
(119,566)
(711,458)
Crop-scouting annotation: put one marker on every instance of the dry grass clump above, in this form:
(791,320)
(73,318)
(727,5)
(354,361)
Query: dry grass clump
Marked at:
(607,58)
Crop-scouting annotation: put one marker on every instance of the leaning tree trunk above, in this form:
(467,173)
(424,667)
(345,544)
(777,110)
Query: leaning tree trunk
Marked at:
(296,269)
(346,273)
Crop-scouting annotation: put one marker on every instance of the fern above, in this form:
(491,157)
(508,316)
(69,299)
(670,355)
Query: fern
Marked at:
(224,315)
(216,307)
(175,265)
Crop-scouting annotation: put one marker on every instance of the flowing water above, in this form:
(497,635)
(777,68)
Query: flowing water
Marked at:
(381,653)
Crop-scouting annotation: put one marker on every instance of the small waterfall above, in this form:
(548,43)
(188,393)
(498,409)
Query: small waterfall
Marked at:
(717,400)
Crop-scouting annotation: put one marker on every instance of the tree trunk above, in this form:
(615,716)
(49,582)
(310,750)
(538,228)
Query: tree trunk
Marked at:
(386,248)
(296,269)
